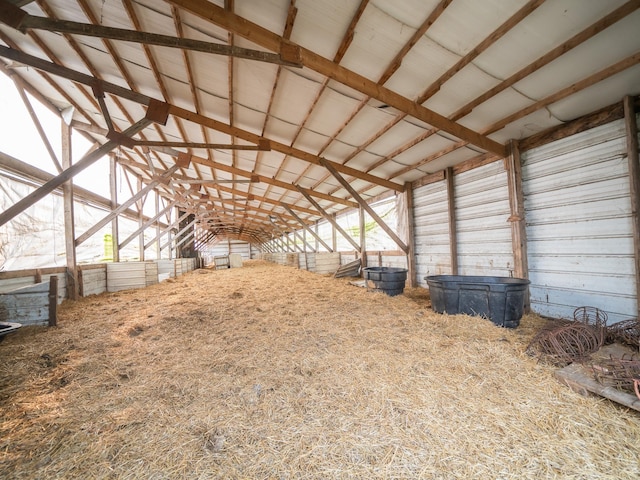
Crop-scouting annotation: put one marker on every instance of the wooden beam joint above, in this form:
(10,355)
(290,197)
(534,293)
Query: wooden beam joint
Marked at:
(12,15)
(157,111)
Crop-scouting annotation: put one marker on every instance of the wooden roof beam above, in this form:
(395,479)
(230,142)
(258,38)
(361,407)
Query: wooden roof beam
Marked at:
(368,209)
(67,174)
(31,22)
(312,60)
(188,115)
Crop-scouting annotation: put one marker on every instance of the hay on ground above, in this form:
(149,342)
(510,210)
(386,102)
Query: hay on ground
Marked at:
(266,371)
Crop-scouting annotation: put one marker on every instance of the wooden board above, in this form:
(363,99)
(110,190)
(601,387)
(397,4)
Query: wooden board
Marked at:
(580,378)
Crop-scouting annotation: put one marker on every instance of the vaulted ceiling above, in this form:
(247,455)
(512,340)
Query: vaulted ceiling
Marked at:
(272,112)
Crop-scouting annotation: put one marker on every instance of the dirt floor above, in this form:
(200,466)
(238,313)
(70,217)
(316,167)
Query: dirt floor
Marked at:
(267,372)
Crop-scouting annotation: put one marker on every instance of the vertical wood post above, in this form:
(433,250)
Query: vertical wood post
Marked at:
(411,257)
(158,251)
(334,237)
(453,233)
(53,301)
(73,290)
(631,127)
(363,239)
(513,166)
(113,186)
(140,222)
(80,283)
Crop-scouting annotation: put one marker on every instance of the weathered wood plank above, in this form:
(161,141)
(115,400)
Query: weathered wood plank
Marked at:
(581,380)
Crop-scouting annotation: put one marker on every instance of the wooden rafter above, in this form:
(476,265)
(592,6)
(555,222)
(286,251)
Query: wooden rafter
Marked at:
(366,206)
(312,60)
(342,50)
(67,174)
(31,22)
(498,33)
(291,16)
(177,22)
(392,67)
(187,115)
(603,74)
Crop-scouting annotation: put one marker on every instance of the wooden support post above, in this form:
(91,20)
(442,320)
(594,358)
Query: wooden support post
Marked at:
(73,290)
(330,219)
(180,234)
(113,188)
(80,283)
(516,203)
(412,280)
(140,205)
(56,182)
(53,301)
(296,235)
(334,237)
(363,239)
(364,205)
(114,213)
(145,225)
(453,240)
(513,166)
(38,125)
(631,128)
(158,215)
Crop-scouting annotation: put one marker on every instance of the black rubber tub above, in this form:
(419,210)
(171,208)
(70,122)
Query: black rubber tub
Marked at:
(389,280)
(7,328)
(500,299)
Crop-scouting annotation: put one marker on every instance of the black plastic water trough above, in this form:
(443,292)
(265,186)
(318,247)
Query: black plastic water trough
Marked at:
(8,327)
(389,280)
(500,299)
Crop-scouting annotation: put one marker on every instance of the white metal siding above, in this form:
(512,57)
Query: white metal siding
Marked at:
(394,261)
(243,248)
(27,305)
(126,275)
(579,230)
(431,231)
(482,213)
(94,281)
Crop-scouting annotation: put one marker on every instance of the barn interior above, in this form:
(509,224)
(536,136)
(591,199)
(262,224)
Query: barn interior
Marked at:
(206,169)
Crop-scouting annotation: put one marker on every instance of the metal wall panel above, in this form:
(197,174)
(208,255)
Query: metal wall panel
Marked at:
(28,305)
(483,229)
(126,275)
(94,281)
(243,248)
(431,231)
(579,230)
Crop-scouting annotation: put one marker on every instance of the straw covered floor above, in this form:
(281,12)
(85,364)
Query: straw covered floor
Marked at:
(265,372)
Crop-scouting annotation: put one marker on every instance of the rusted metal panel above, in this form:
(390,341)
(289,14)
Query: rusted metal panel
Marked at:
(431,231)
(483,231)
(579,230)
